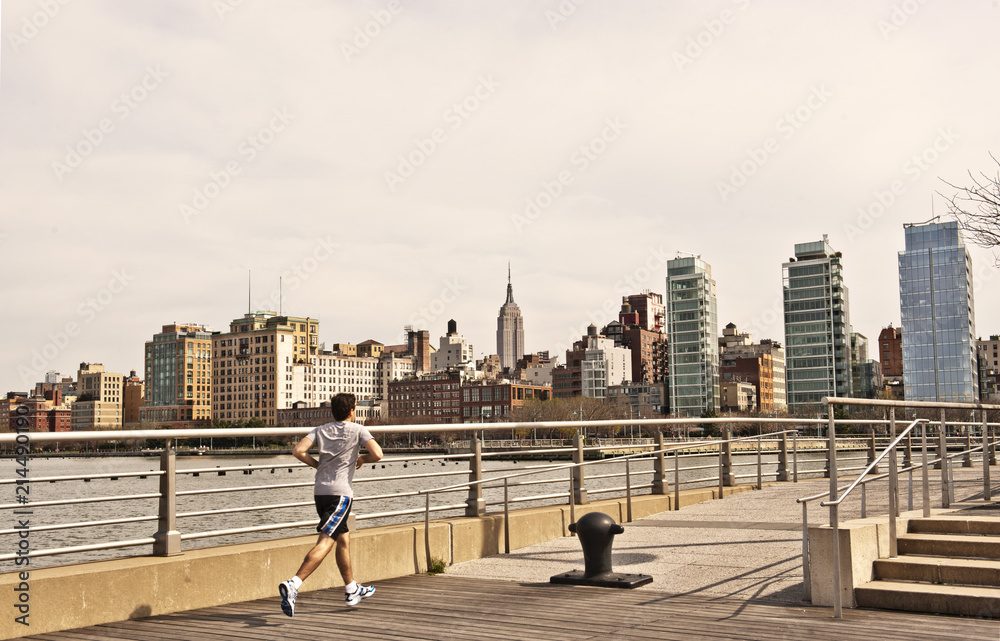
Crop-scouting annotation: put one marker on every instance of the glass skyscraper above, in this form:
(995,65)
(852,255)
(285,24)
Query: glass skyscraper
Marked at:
(692,331)
(937,310)
(817,327)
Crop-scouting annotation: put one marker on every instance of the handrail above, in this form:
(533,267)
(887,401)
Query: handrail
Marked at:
(471,428)
(873,464)
(686,446)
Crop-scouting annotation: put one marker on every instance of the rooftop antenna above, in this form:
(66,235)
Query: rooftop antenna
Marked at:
(248,293)
(279,295)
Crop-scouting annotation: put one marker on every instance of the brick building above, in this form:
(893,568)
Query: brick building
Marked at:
(434,398)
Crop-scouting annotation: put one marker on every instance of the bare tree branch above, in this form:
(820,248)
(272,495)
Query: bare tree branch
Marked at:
(977,207)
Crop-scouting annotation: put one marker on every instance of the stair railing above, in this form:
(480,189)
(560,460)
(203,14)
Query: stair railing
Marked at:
(835,499)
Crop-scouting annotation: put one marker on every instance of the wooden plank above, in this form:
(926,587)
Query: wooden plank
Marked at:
(420,607)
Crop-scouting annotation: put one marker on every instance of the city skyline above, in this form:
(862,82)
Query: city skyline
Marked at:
(153,155)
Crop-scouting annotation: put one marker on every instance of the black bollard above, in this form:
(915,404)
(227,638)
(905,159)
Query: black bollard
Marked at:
(596,532)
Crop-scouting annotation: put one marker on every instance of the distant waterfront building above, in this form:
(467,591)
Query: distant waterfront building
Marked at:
(434,398)
(54,381)
(650,311)
(866,374)
(692,331)
(132,398)
(817,326)
(738,396)
(178,383)
(890,356)
(510,330)
(645,399)
(989,352)
(99,399)
(494,401)
(762,364)
(454,352)
(937,309)
(604,365)
(252,364)
(648,346)
(537,368)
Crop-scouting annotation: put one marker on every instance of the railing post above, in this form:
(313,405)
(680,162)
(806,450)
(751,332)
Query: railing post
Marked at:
(908,452)
(659,467)
(871,451)
(893,485)
(579,491)
(923,470)
(831,459)
(628,490)
(806,574)
(967,459)
(986,458)
(941,449)
(783,457)
(167,538)
(475,505)
(943,455)
(760,483)
(795,457)
(506,519)
(727,458)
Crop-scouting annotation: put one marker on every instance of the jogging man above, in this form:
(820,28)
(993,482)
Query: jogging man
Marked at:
(339,443)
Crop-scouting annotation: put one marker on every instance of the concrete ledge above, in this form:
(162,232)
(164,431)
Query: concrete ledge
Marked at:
(862,542)
(106,591)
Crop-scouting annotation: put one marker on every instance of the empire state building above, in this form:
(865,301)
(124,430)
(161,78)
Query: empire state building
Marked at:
(510,330)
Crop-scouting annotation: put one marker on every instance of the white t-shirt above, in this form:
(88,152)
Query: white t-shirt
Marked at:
(339,443)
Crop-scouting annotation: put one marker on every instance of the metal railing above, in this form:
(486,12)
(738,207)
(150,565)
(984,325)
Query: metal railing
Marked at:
(834,498)
(167,538)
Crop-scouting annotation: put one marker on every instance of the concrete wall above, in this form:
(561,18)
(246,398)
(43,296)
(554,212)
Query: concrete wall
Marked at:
(93,593)
(861,542)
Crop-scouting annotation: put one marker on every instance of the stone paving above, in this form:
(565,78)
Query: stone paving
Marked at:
(747,546)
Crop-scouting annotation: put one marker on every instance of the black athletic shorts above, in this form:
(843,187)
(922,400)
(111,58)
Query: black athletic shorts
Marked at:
(333,512)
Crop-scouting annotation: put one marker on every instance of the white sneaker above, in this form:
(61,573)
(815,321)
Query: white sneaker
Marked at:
(362,592)
(288,593)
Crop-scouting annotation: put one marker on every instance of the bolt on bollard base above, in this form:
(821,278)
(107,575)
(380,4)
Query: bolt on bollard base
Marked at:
(596,532)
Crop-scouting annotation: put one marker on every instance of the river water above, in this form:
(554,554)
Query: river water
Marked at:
(372,484)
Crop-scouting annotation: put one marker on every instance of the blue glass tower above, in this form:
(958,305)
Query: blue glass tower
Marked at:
(937,307)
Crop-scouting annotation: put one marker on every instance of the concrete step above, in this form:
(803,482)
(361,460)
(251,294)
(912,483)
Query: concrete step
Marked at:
(921,597)
(938,570)
(953,545)
(957,524)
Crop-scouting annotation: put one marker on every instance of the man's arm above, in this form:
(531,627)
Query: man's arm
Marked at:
(374,453)
(301,452)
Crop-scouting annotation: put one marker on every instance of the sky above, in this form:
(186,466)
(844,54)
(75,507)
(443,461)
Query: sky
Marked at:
(385,161)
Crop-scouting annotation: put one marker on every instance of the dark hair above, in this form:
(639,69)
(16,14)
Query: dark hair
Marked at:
(341,405)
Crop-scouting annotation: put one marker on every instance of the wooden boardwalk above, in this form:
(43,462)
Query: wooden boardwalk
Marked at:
(449,607)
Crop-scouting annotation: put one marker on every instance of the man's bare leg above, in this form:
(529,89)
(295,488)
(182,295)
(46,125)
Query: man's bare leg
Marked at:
(344,557)
(316,555)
